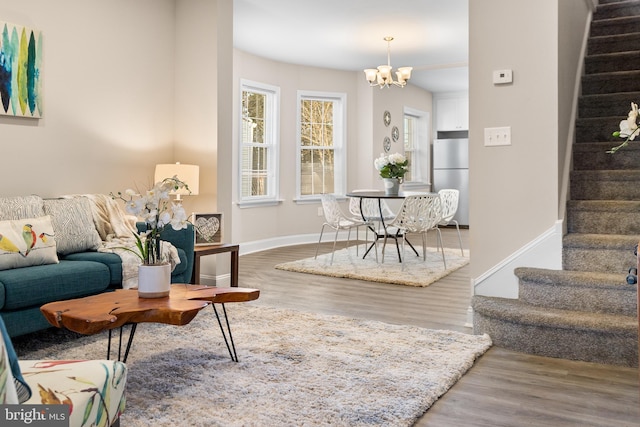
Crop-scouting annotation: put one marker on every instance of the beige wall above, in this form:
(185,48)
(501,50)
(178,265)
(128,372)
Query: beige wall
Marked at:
(291,222)
(515,190)
(108,98)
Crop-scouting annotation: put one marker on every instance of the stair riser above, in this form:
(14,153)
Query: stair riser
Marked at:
(612,63)
(626,81)
(607,105)
(597,222)
(616,10)
(626,159)
(612,301)
(599,129)
(588,346)
(626,25)
(609,190)
(603,260)
(613,44)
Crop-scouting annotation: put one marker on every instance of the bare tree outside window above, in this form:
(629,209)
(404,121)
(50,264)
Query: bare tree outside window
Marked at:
(317,153)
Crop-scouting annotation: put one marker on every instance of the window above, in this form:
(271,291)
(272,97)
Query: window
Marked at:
(416,145)
(321,135)
(410,145)
(259,143)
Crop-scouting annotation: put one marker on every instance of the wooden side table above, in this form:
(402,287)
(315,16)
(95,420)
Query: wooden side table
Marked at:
(200,251)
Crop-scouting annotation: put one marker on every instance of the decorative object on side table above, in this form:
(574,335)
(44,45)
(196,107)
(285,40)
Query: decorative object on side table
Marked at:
(628,128)
(208,228)
(157,211)
(392,168)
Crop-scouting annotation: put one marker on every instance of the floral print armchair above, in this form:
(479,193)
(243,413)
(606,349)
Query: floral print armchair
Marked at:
(92,389)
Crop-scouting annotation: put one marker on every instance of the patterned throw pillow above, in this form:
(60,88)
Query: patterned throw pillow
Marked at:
(21,207)
(73,225)
(26,242)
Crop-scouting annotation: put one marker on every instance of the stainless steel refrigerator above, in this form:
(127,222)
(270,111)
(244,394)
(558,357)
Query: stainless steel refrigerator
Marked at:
(451,170)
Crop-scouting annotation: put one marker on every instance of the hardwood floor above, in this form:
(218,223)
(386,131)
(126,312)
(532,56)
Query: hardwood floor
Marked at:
(504,388)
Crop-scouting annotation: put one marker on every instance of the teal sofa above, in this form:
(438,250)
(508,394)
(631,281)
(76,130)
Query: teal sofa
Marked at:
(77,273)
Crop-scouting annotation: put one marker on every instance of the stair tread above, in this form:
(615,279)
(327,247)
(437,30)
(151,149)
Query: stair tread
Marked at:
(517,311)
(609,55)
(605,205)
(601,241)
(593,279)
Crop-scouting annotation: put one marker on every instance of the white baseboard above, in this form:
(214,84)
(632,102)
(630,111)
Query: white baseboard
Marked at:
(223,280)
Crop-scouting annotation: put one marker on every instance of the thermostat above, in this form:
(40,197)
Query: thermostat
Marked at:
(501,77)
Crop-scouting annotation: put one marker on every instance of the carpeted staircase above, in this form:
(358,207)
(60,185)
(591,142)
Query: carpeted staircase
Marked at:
(587,311)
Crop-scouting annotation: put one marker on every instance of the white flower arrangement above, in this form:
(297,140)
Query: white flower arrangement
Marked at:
(628,128)
(157,211)
(392,165)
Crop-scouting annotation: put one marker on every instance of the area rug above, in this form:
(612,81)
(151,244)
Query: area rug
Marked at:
(413,271)
(294,369)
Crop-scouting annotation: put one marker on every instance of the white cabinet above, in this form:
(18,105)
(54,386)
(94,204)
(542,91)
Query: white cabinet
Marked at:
(452,114)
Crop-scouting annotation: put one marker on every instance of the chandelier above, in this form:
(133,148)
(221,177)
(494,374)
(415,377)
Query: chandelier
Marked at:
(383,75)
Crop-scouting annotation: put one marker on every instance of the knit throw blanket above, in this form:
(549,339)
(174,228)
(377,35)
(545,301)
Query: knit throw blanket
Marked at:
(116,230)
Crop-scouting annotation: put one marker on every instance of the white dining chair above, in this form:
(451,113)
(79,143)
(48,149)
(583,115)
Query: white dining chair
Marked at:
(337,220)
(449,198)
(418,214)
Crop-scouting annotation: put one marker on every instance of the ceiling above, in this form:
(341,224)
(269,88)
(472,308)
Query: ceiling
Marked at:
(429,35)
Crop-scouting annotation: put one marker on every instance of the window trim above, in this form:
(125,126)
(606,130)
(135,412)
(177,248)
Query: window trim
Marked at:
(340,149)
(272,133)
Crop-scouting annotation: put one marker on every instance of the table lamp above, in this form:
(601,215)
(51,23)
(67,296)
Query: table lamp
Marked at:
(189,174)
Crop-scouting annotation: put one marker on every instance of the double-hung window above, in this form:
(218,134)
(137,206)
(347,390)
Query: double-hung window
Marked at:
(259,143)
(321,144)
(416,146)
(411,146)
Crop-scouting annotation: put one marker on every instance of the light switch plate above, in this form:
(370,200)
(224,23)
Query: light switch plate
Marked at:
(497,136)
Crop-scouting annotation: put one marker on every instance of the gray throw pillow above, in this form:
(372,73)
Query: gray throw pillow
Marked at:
(73,225)
(21,207)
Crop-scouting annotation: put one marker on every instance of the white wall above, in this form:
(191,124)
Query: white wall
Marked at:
(108,97)
(515,190)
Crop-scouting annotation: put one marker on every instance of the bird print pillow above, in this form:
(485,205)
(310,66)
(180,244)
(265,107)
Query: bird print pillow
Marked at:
(27,242)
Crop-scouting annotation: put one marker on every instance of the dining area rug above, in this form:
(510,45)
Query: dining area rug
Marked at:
(295,369)
(412,271)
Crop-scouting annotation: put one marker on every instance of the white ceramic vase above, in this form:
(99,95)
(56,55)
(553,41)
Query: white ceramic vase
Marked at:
(154,281)
(391,186)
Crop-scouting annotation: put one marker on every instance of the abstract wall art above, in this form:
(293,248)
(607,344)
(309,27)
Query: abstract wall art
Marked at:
(20,71)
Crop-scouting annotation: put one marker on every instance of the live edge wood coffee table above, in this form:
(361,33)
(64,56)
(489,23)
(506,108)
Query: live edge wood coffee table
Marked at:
(110,310)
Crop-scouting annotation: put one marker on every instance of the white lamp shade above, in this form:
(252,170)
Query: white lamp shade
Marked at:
(385,72)
(189,174)
(372,74)
(405,72)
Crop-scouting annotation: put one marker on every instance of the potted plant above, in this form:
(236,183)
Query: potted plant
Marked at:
(157,211)
(392,168)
